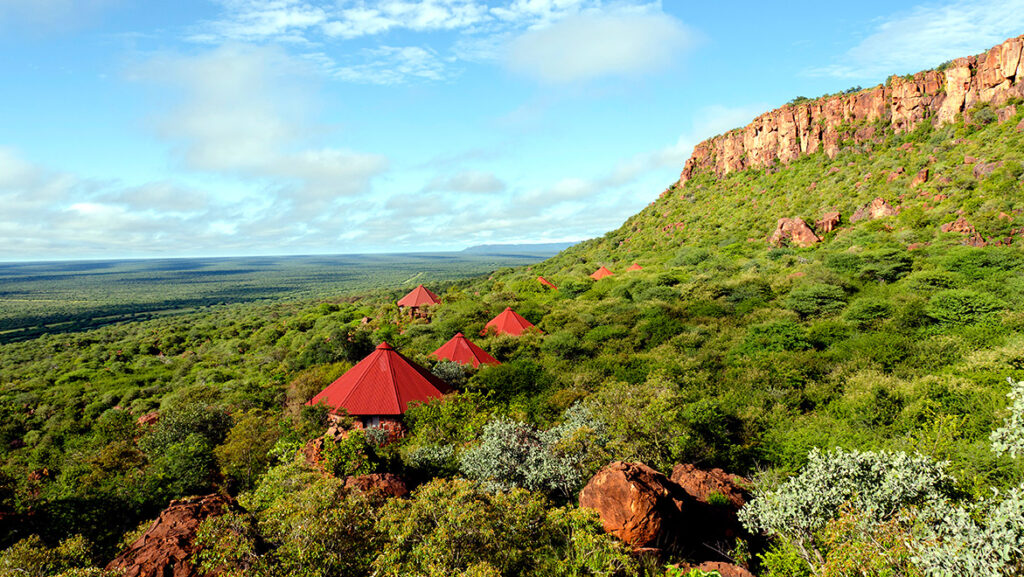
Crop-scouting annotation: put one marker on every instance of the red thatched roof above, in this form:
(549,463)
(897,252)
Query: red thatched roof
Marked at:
(461,350)
(384,383)
(634,266)
(546,282)
(601,273)
(418,297)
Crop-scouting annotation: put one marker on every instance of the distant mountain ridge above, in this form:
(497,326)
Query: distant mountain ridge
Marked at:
(799,129)
(541,248)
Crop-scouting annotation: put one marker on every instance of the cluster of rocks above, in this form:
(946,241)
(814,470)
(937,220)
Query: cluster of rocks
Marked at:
(691,514)
(796,232)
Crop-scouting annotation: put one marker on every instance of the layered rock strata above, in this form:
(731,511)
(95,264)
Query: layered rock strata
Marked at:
(786,133)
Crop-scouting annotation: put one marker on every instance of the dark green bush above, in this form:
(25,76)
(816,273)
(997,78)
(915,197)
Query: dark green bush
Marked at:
(816,300)
(962,307)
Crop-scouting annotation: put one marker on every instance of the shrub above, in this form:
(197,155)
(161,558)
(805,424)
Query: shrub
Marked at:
(507,381)
(865,313)
(245,453)
(878,484)
(962,307)
(513,454)
(816,300)
(31,557)
(456,528)
(450,372)
(351,455)
(773,337)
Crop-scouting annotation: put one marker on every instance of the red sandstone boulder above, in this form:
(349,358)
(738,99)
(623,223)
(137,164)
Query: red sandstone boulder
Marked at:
(387,484)
(828,222)
(895,174)
(793,231)
(636,503)
(648,510)
(1005,113)
(148,419)
(701,484)
(967,229)
(165,550)
(983,169)
(920,178)
(959,225)
(1020,126)
(875,209)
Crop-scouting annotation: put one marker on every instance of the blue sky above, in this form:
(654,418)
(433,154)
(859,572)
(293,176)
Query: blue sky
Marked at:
(240,127)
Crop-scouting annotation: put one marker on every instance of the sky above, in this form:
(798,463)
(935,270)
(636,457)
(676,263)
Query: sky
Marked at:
(136,129)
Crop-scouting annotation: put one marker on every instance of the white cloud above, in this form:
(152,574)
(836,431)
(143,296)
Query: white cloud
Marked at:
(565,39)
(364,19)
(596,45)
(927,35)
(466,181)
(386,65)
(243,111)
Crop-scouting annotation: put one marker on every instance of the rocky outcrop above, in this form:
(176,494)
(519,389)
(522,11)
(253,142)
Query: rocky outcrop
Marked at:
(636,503)
(960,225)
(875,209)
(793,231)
(828,222)
(784,134)
(983,169)
(650,511)
(165,550)
(920,178)
(703,485)
(149,419)
(386,484)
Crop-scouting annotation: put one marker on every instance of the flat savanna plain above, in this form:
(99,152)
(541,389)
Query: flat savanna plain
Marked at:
(46,297)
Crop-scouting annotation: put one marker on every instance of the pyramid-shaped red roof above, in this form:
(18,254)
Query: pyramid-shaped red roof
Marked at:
(384,383)
(418,297)
(461,350)
(546,282)
(634,266)
(601,273)
(508,322)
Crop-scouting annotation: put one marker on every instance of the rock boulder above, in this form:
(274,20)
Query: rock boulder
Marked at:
(920,178)
(701,484)
(636,503)
(165,550)
(828,222)
(793,231)
(875,209)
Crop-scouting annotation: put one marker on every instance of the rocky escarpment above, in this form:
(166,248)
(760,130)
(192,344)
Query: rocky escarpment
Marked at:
(787,133)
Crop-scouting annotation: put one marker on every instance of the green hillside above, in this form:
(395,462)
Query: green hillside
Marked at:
(723,351)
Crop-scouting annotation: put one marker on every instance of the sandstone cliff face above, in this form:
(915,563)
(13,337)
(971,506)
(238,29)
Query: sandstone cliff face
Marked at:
(787,133)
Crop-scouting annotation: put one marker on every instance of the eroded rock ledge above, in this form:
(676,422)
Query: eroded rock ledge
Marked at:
(786,133)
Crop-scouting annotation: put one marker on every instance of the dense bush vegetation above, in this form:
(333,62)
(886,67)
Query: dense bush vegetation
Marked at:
(722,352)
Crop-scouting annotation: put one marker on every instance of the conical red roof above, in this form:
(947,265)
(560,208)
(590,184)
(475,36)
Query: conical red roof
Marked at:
(418,297)
(634,266)
(601,273)
(508,322)
(546,282)
(461,350)
(384,383)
